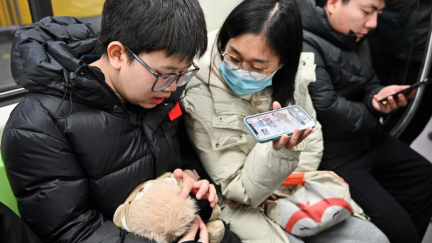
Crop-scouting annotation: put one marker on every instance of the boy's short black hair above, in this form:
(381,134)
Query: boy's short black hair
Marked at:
(175,26)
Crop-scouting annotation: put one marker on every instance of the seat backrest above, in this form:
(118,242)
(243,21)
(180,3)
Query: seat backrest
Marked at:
(216,11)
(6,195)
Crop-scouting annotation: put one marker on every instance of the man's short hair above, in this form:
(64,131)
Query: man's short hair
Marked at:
(175,26)
(322,3)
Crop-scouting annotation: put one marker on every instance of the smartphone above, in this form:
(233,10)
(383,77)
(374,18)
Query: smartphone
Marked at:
(273,124)
(407,90)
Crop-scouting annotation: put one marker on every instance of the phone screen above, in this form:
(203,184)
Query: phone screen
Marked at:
(275,123)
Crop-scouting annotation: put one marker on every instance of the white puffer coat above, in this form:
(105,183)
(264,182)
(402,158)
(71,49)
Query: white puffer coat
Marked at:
(247,171)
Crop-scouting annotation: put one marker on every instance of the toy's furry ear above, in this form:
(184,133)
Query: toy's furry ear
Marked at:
(119,217)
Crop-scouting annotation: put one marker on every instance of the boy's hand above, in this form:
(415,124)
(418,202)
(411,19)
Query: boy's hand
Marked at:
(198,224)
(202,189)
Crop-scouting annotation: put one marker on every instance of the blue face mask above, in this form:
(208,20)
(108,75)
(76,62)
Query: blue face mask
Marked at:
(241,82)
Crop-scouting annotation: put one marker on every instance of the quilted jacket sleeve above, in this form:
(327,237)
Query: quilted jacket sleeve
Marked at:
(336,113)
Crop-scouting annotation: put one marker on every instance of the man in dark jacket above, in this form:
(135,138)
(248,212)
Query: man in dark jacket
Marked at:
(101,115)
(389,180)
(397,46)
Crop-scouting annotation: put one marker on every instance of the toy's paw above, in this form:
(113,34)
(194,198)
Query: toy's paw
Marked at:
(216,230)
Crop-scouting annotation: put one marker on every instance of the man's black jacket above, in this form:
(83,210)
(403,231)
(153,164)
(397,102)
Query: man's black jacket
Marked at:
(344,88)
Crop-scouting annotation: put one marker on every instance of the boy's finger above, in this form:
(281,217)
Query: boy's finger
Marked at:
(203,236)
(203,186)
(213,199)
(186,189)
(178,173)
(190,235)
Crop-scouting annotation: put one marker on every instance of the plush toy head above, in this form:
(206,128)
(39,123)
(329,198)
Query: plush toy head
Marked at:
(155,210)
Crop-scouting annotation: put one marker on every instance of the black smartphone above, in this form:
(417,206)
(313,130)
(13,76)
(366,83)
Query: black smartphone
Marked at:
(407,90)
(273,124)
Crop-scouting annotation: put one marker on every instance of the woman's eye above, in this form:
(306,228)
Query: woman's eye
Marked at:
(258,70)
(232,59)
(366,12)
(235,60)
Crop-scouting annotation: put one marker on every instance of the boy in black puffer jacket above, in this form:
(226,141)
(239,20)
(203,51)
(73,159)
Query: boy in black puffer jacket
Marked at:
(101,116)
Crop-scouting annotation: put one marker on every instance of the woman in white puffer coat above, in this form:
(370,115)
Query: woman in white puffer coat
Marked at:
(248,69)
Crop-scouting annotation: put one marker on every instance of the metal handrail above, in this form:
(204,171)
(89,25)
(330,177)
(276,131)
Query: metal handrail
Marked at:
(40,9)
(414,104)
(18,13)
(13,92)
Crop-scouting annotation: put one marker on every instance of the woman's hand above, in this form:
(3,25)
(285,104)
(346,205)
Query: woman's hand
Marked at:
(286,141)
(202,189)
(198,224)
(391,104)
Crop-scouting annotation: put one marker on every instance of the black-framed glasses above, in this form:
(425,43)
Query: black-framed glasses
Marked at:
(165,80)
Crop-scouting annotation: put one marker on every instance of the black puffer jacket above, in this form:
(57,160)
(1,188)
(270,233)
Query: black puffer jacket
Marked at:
(73,151)
(342,94)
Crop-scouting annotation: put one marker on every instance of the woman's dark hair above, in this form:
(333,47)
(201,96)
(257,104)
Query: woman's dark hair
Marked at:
(279,21)
(175,26)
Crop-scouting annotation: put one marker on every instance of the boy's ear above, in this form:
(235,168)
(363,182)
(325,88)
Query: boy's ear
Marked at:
(117,54)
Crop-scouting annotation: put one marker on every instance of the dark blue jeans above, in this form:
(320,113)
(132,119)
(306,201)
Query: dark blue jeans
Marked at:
(393,185)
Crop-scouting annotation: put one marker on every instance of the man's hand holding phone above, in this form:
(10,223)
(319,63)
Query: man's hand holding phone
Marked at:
(392,97)
(286,141)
